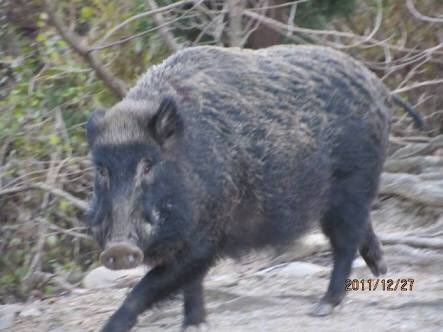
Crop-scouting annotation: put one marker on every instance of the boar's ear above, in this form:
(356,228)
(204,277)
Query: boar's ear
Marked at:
(166,123)
(92,127)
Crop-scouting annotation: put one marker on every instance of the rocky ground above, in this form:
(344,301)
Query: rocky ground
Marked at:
(265,293)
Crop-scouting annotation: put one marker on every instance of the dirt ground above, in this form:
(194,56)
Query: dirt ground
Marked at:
(265,293)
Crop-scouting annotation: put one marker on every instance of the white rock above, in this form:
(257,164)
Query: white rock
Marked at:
(310,244)
(302,269)
(358,263)
(7,315)
(102,277)
(295,269)
(30,311)
(318,240)
(222,280)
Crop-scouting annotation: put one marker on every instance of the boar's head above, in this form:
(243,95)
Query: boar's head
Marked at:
(139,211)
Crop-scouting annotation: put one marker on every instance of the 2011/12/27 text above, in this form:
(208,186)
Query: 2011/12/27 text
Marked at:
(389,285)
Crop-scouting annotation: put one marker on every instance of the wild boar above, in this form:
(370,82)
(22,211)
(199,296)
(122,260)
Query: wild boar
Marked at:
(219,151)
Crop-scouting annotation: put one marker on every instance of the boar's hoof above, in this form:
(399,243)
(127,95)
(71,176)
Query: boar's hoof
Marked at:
(322,309)
(121,255)
(379,267)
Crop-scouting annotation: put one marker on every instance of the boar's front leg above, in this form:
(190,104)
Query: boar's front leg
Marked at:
(194,305)
(158,284)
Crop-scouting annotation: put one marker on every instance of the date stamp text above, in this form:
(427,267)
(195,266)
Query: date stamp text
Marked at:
(388,285)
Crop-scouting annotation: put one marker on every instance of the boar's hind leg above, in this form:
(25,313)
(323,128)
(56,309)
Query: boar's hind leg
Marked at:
(194,306)
(344,224)
(156,285)
(370,250)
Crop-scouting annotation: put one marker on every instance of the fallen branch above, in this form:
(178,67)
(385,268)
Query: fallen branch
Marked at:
(434,144)
(431,176)
(412,188)
(412,164)
(408,150)
(116,85)
(413,241)
(409,254)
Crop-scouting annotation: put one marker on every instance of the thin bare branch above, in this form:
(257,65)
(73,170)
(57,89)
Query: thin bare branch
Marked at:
(167,37)
(377,24)
(77,202)
(284,27)
(418,85)
(420,16)
(282,5)
(235,29)
(116,85)
(137,35)
(158,10)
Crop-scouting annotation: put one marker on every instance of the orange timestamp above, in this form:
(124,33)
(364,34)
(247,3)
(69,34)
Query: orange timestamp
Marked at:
(388,285)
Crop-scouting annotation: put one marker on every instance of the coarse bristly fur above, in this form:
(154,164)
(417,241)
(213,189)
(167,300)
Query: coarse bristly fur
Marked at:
(217,151)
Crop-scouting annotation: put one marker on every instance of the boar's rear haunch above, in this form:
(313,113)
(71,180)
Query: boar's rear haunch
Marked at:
(218,151)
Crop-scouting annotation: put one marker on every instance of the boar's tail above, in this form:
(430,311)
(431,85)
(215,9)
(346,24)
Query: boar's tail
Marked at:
(419,123)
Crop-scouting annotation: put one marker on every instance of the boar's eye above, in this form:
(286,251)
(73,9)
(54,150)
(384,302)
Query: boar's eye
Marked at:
(147,166)
(101,171)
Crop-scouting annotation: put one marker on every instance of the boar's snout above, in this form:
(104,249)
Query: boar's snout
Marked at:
(118,256)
